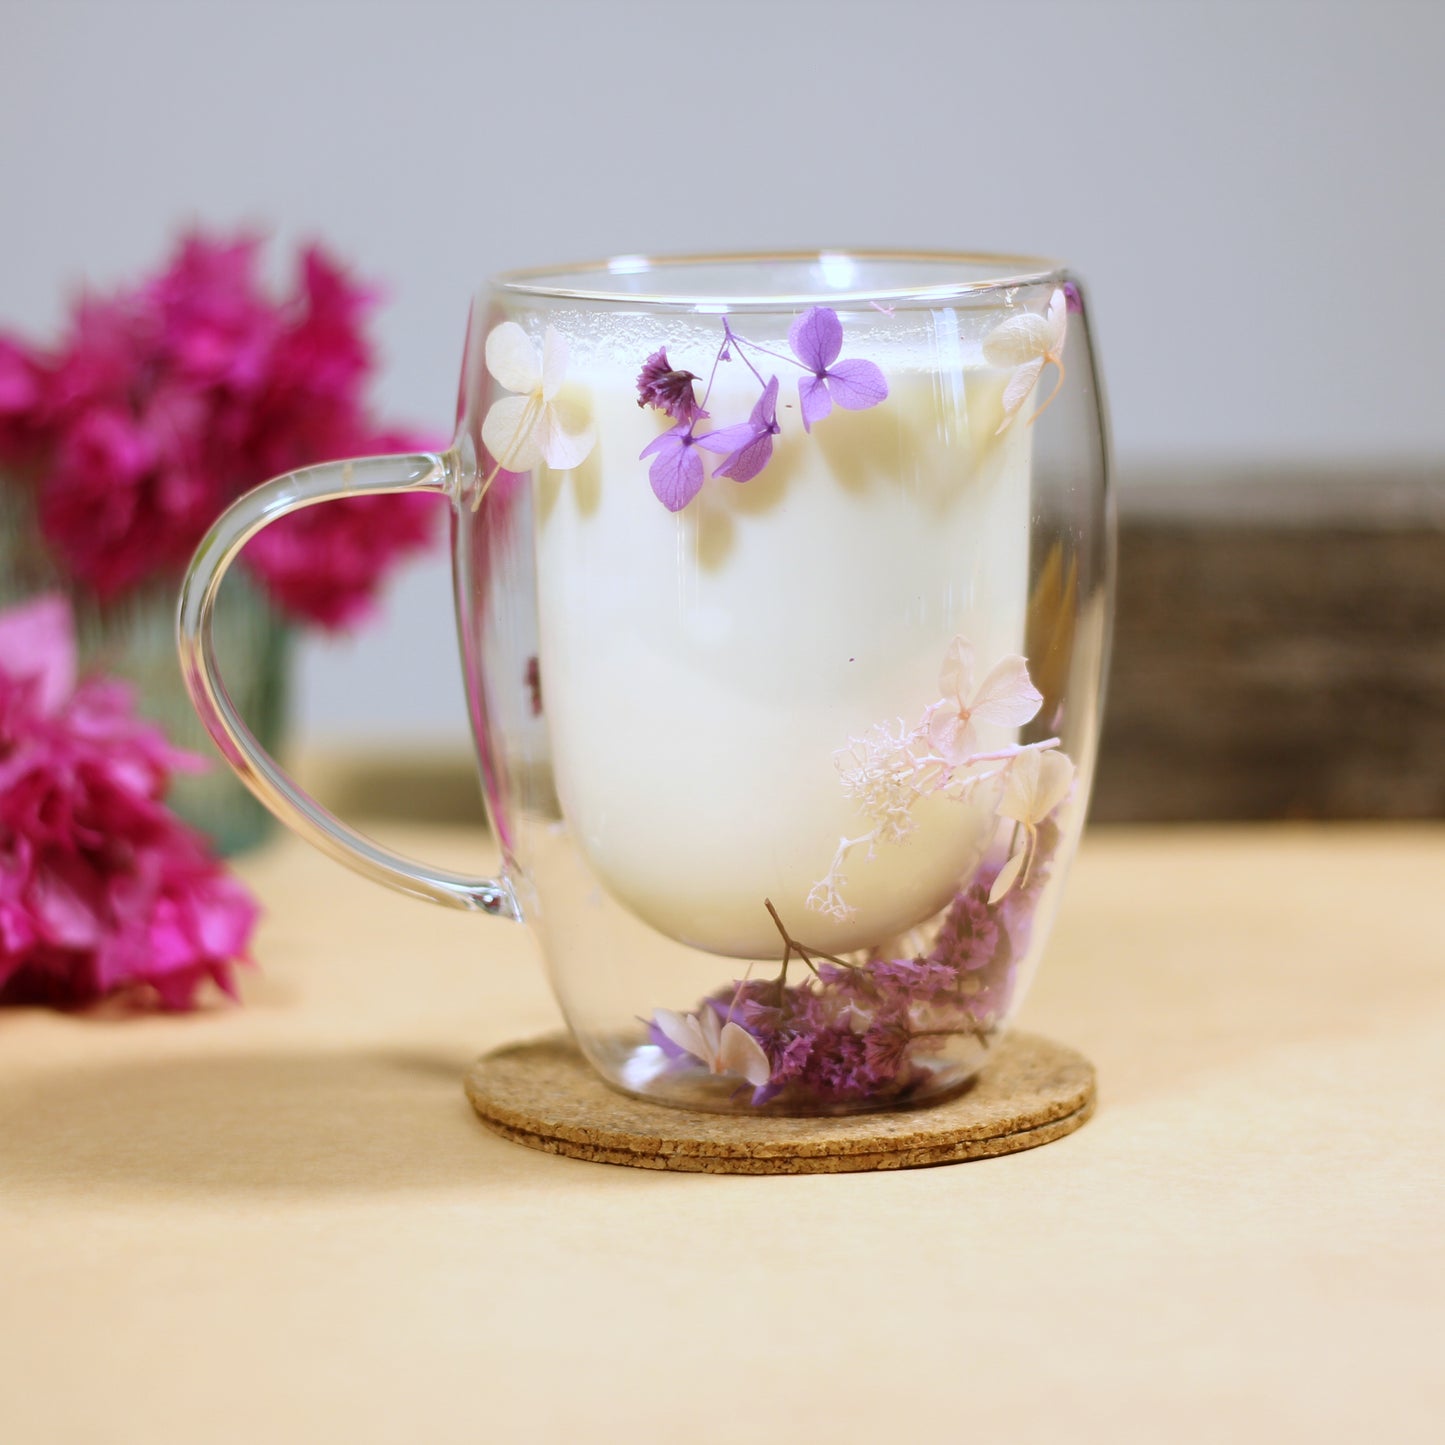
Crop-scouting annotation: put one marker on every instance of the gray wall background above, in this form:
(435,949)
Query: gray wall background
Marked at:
(1253,190)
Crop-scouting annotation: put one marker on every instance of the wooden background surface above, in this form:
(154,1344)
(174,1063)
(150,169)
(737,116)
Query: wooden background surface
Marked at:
(1279,648)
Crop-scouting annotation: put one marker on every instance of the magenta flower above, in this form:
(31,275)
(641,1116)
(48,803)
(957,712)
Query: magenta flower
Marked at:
(322,563)
(102,889)
(749,445)
(21,395)
(668,390)
(676,471)
(816,338)
(166,401)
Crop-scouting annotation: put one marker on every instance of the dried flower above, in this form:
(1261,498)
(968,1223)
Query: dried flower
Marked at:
(536,424)
(1005,697)
(1026,344)
(676,473)
(749,445)
(1037,782)
(102,888)
(668,390)
(726,1048)
(816,338)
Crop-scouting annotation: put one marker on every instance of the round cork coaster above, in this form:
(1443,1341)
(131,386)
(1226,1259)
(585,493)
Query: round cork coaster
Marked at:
(545,1095)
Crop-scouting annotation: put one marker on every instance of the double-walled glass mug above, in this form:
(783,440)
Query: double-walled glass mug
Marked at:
(783,589)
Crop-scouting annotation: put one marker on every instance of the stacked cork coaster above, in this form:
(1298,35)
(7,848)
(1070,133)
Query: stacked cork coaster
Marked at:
(545,1095)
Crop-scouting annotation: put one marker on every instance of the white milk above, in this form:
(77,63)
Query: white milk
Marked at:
(700,670)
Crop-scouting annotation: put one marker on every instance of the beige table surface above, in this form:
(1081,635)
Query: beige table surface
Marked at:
(282,1223)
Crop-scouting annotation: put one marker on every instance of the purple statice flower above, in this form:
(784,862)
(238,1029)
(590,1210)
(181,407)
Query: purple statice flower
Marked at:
(861,1033)
(676,471)
(1073,302)
(969,936)
(749,445)
(666,388)
(816,338)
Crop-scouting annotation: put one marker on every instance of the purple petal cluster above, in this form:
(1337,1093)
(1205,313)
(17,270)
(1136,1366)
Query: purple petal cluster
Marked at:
(816,338)
(748,447)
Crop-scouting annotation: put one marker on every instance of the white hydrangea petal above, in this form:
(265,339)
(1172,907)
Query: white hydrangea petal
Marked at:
(512,433)
(741,1053)
(1007,696)
(955,677)
(951,735)
(682,1030)
(1019,339)
(1058,320)
(1020,387)
(1020,789)
(1056,777)
(512,359)
(1007,877)
(567,435)
(554,362)
(709,1026)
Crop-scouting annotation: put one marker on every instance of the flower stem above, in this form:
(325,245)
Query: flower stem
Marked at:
(730,335)
(1049,400)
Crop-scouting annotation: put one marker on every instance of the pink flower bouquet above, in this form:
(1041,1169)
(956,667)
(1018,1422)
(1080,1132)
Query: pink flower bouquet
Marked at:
(103,891)
(166,401)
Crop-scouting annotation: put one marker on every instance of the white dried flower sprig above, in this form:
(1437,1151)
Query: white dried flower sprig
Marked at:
(1025,344)
(892,767)
(1036,785)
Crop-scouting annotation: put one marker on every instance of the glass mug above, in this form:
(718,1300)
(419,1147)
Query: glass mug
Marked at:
(783,588)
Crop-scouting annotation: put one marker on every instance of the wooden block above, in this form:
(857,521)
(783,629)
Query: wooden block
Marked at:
(544,1094)
(1279,649)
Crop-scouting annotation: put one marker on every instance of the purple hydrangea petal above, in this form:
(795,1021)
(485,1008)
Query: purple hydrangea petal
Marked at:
(672,437)
(856,385)
(765,413)
(745,463)
(816,338)
(676,475)
(728,438)
(814,400)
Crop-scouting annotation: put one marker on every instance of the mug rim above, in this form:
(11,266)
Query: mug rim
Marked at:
(561,282)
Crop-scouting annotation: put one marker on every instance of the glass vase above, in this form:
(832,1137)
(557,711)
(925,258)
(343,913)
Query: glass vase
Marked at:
(133,637)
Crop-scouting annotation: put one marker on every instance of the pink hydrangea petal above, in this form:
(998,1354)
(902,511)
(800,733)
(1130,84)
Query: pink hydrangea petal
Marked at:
(1006,696)
(951,734)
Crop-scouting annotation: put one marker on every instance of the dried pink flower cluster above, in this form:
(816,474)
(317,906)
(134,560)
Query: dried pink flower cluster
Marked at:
(102,889)
(167,401)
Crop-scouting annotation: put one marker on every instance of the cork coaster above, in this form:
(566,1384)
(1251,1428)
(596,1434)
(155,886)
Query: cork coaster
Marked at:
(545,1095)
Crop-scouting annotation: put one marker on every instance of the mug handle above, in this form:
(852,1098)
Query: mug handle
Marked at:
(421,472)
